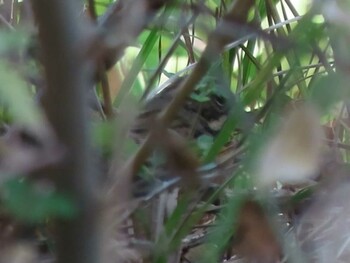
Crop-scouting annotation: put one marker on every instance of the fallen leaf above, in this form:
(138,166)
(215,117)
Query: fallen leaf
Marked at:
(293,153)
(254,239)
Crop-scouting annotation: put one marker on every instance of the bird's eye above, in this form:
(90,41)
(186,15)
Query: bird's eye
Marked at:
(219,101)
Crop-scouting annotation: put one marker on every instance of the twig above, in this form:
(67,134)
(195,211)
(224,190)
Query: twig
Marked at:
(4,22)
(166,58)
(92,9)
(114,23)
(106,93)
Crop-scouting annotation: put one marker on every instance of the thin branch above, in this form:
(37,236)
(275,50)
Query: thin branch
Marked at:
(167,56)
(4,22)
(267,30)
(92,9)
(119,20)
(106,93)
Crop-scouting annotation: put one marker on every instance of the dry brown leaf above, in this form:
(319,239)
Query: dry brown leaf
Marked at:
(180,159)
(115,81)
(255,239)
(293,152)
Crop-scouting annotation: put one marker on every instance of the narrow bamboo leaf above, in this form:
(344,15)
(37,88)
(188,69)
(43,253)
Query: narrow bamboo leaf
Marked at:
(256,86)
(248,67)
(137,66)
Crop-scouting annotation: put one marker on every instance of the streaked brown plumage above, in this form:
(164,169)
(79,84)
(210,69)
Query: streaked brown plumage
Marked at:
(194,119)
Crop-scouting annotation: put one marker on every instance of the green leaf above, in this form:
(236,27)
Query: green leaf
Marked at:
(102,6)
(236,118)
(301,195)
(13,42)
(14,94)
(103,135)
(199,97)
(30,203)
(328,90)
(137,66)
(204,143)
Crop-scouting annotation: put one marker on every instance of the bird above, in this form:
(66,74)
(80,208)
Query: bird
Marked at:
(204,111)
(203,115)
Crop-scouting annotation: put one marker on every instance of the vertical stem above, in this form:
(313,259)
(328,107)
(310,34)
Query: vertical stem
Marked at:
(68,72)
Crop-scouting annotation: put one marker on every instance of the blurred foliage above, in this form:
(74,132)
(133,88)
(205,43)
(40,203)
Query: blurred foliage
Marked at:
(15,93)
(33,203)
(284,56)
